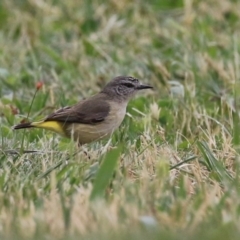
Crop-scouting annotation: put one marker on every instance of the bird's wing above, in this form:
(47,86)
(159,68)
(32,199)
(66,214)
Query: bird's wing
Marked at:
(89,111)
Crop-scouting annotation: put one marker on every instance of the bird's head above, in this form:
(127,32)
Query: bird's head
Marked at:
(124,87)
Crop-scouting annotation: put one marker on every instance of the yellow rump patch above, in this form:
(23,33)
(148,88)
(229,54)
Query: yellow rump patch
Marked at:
(51,125)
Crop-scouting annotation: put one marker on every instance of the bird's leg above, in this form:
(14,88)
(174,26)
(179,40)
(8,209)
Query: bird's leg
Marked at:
(84,151)
(87,155)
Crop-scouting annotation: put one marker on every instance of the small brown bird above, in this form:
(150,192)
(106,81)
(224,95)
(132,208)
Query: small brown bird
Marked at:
(93,118)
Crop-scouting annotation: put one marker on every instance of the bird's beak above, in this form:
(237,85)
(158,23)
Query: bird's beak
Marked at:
(143,86)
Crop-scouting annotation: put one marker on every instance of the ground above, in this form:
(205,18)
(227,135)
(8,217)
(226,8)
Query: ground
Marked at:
(171,170)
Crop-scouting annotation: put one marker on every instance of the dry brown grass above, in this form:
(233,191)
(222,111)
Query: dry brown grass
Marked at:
(178,171)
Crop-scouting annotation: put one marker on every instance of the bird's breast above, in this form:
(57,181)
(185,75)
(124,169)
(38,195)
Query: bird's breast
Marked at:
(116,115)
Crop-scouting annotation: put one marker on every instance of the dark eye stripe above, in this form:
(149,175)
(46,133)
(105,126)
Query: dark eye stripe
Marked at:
(129,85)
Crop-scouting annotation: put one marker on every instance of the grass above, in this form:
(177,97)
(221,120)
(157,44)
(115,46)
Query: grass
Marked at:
(171,171)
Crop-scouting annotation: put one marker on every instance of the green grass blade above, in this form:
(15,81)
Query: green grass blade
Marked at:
(236,130)
(105,173)
(182,162)
(214,165)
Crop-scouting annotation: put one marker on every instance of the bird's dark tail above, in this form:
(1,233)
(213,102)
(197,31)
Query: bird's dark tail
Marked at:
(23,125)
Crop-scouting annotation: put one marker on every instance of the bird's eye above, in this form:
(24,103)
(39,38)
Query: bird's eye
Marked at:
(129,85)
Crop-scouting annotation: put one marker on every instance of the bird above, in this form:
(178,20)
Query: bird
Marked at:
(95,117)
